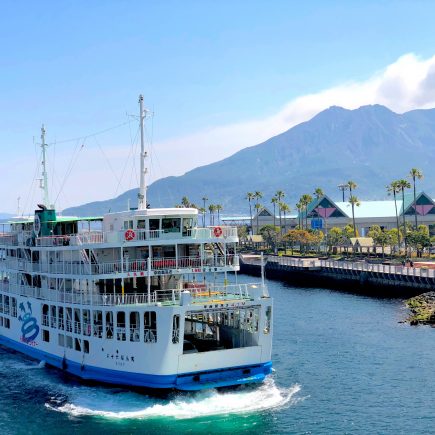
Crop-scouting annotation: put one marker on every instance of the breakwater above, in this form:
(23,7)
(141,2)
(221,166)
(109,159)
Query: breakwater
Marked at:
(356,276)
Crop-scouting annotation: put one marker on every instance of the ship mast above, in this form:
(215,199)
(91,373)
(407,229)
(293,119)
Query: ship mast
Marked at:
(142,195)
(44,168)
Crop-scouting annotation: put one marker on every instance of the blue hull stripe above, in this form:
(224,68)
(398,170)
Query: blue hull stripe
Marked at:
(186,381)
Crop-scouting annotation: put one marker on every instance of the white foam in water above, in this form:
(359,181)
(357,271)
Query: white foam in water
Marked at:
(205,403)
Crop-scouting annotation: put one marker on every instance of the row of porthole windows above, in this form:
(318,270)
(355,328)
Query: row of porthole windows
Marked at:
(119,325)
(8,305)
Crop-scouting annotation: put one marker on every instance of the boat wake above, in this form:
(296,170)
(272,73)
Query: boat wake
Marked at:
(128,405)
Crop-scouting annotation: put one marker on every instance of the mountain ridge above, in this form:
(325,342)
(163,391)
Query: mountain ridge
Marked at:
(371,145)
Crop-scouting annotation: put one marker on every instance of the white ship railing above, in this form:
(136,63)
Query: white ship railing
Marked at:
(97,237)
(112,267)
(199,295)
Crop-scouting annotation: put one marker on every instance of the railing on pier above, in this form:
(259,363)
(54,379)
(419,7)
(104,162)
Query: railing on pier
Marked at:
(354,266)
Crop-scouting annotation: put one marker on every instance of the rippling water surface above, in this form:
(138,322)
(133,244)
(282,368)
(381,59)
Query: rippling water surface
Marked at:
(343,364)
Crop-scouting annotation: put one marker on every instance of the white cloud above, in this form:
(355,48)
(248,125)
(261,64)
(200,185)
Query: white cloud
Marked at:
(408,83)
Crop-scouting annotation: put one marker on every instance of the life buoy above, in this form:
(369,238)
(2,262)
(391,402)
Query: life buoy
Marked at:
(129,235)
(217,231)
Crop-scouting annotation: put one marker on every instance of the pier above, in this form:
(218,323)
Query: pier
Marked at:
(374,279)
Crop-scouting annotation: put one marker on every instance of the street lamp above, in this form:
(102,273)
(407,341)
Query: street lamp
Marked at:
(343,187)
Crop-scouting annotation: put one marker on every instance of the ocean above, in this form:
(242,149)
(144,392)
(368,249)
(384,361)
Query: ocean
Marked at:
(342,364)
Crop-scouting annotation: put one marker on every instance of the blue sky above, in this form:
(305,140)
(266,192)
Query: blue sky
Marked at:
(78,67)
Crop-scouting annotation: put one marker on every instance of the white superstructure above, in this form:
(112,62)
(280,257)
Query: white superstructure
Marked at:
(133,298)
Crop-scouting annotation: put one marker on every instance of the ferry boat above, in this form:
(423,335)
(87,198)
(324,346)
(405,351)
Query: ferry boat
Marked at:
(136,298)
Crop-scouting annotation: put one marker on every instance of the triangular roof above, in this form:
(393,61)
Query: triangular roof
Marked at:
(323,207)
(364,242)
(424,203)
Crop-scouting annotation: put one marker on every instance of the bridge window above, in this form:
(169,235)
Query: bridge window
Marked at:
(85,346)
(45,335)
(171,225)
(109,325)
(120,326)
(268,320)
(134,326)
(14,307)
(68,322)
(60,318)
(53,320)
(86,322)
(45,315)
(77,322)
(150,327)
(98,324)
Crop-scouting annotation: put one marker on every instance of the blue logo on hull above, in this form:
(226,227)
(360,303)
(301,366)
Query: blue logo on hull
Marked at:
(29,327)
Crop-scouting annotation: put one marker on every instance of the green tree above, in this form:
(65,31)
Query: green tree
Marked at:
(415,174)
(335,237)
(218,209)
(258,207)
(274,201)
(284,209)
(353,201)
(305,201)
(185,202)
(279,196)
(402,185)
(393,188)
(318,193)
(211,209)
(203,211)
(250,196)
(258,195)
(269,234)
(419,240)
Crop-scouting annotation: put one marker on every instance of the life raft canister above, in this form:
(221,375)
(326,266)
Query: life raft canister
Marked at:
(217,231)
(129,235)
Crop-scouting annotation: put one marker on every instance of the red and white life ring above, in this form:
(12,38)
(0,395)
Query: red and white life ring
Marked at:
(129,235)
(217,231)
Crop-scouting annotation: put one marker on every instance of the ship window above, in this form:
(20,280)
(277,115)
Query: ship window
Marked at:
(61,340)
(109,325)
(45,335)
(6,306)
(141,224)
(7,323)
(150,327)
(77,323)
(45,315)
(128,225)
(187,226)
(120,326)
(60,318)
(14,307)
(171,225)
(176,328)
(78,344)
(134,326)
(85,346)
(98,324)
(69,342)
(86,322)
(1,303)
(68,322)
(268,320)
(53,316)
(1,321)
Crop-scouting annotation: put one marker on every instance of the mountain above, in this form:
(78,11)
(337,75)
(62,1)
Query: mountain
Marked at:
(371,145)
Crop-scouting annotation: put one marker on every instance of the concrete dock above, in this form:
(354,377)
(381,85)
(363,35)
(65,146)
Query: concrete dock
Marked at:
(356,276)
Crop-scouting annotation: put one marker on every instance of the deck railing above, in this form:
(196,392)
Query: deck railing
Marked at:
(199,295)
(363,266)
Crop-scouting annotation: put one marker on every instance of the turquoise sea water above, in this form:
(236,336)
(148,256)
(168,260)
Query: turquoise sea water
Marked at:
(343,364)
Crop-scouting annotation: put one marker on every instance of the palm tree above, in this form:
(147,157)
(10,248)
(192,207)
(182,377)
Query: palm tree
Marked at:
(354,201)
(352,186)
(258,208)
(279,195)
(204,199)
(404,184)
(306,200)
(274,200)
(211,209)
(299,207)
(257,195)
(285,209)
(250,196)
(318,193)
(218,208)
(415,173)
(393,188)
(185,202)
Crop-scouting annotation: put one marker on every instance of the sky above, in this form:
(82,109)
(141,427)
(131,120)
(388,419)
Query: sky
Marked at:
(216,76)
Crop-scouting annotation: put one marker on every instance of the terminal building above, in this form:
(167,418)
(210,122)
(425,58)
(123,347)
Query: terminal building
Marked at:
(323,213)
